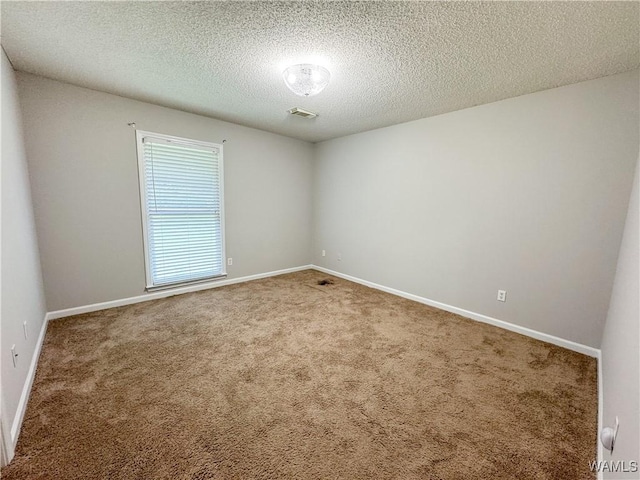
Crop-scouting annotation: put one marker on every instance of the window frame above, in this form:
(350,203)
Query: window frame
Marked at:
(140,135)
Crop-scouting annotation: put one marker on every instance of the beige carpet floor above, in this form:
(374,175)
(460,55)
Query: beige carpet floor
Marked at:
(285,378)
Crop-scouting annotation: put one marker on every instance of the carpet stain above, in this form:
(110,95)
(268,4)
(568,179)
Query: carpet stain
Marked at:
(290,378)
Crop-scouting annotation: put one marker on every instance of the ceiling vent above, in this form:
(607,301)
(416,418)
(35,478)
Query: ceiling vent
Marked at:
(302,113)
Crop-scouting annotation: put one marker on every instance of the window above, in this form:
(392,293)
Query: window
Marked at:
(181,192)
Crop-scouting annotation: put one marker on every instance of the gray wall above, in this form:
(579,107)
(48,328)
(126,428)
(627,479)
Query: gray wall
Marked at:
(22,290)
(82,157)
(620,344)
(527,195)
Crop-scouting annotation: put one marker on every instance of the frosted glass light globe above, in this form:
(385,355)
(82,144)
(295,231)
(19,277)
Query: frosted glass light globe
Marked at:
(306,79)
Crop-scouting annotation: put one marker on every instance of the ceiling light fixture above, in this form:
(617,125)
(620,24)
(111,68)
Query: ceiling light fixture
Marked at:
(306,79)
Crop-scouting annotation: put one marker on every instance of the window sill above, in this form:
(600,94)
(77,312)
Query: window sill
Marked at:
(169,286)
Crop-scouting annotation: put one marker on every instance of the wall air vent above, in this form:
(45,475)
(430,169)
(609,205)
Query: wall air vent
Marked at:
(302,113)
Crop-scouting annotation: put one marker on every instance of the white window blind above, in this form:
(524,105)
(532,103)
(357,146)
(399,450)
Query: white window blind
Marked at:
(181,185)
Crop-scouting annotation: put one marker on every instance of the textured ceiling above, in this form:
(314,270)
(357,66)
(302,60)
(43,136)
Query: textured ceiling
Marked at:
(391,62)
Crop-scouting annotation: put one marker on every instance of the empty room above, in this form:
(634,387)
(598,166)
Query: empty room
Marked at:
(320,240)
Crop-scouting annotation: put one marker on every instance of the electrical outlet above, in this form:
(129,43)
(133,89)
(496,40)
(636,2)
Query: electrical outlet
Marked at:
(324,253)
(24,329)
(229,261)
(339,257)
(502,295)
(14,356)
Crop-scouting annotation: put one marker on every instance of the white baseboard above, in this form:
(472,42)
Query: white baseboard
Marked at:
(9,444)
(167,293)
(24,398)
(26,391)
(561,342)
(599,446)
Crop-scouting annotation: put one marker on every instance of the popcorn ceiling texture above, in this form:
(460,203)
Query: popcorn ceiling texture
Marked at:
(391,62)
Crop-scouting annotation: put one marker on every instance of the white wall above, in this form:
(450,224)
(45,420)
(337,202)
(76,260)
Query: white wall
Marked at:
(527,195)
(621,346)
(82,157)
(21,283)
